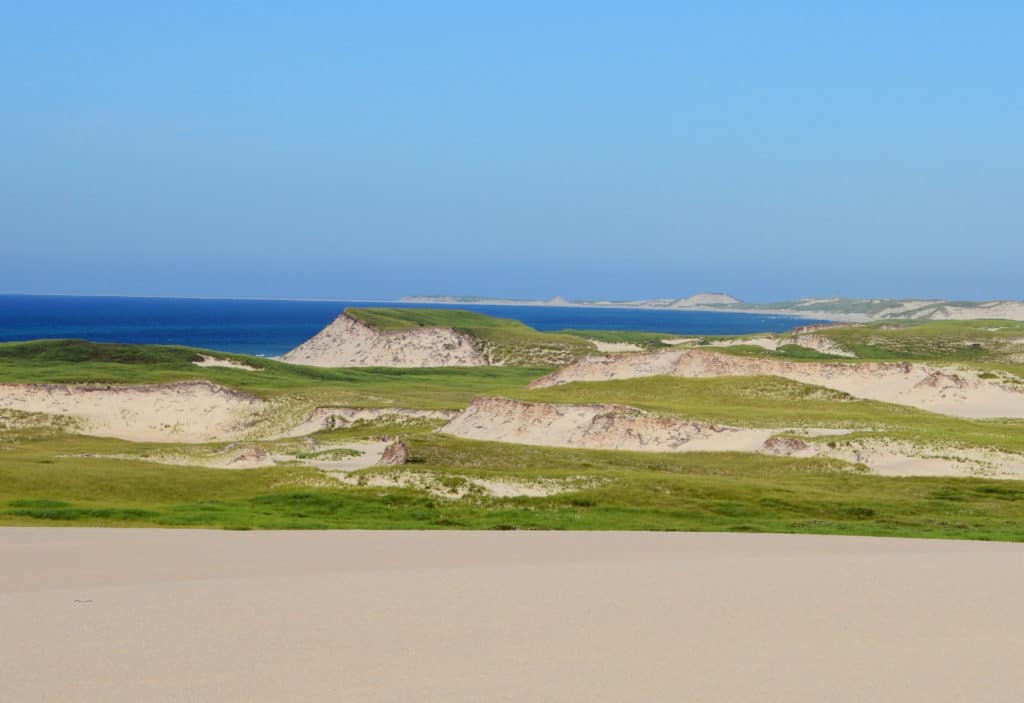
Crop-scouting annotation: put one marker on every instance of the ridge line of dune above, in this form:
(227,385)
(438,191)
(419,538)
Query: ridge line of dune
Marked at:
(348,341)
(947,390)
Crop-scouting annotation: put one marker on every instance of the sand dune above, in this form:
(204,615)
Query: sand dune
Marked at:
(349,342)
(206,360)
(889,457)
(182,615)
(951,391)
(614,347)
(596,427)
(192,411)
(625,428)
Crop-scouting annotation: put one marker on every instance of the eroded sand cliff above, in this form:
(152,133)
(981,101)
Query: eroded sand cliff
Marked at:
(349,342)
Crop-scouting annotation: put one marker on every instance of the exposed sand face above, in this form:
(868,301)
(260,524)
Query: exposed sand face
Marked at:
(372,453)
(888,457)
(329,418)
(614,347)
(105,616)
(349,342)
(821,344)
(996,310)
(207,360)
(595,427)
(769,343)
(624,428)
(809,341)
(959,392)
(193,411)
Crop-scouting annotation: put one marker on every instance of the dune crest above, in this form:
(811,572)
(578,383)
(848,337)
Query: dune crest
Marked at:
(350,342)
(950,391)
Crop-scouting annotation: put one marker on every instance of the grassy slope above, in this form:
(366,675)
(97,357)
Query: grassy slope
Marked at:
(983,344)
(734,492)
(73,361)
(977,342)
(780,403)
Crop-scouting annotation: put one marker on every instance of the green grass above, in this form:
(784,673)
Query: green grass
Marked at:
(411,318)
(974,342)
(75,361)
(702,492)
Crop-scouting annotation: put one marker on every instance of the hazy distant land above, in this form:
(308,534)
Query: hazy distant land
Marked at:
(837,309)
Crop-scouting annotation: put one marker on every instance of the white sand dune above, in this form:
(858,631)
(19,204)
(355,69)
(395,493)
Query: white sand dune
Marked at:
(625,428)
(950,391)
(206,360)
(614,347)
(596,427)
(769,343)
(105,616)
(349,342)
(192,411)
(889,457)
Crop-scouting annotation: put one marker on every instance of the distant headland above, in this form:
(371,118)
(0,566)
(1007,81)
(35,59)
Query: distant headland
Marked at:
(837,309)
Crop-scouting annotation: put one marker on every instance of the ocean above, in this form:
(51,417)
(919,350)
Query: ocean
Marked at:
(272,327)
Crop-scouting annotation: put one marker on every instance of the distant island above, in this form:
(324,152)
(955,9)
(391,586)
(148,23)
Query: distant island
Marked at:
(836,309)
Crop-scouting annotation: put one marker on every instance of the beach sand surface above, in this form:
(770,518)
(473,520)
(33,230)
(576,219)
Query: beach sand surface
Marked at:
(181,615)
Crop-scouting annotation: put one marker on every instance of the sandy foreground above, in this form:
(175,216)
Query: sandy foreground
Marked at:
(174,615)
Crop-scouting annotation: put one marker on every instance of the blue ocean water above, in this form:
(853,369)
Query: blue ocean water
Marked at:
(272,327)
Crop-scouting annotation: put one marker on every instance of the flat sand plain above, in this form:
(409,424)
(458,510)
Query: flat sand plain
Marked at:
(177,615)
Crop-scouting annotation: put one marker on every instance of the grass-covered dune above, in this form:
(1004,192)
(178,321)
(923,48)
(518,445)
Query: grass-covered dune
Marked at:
(49,475)
(977,343)
(762,401)
(505,342)
(77,361)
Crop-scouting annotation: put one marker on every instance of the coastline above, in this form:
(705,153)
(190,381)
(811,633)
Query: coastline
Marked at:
(773,312)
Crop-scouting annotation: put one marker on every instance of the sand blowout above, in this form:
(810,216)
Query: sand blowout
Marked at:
(189,411)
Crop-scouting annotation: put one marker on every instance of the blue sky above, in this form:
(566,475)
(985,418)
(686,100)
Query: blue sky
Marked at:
(588,149)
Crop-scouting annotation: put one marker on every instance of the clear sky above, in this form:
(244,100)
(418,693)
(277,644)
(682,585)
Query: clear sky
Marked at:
(521,149)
